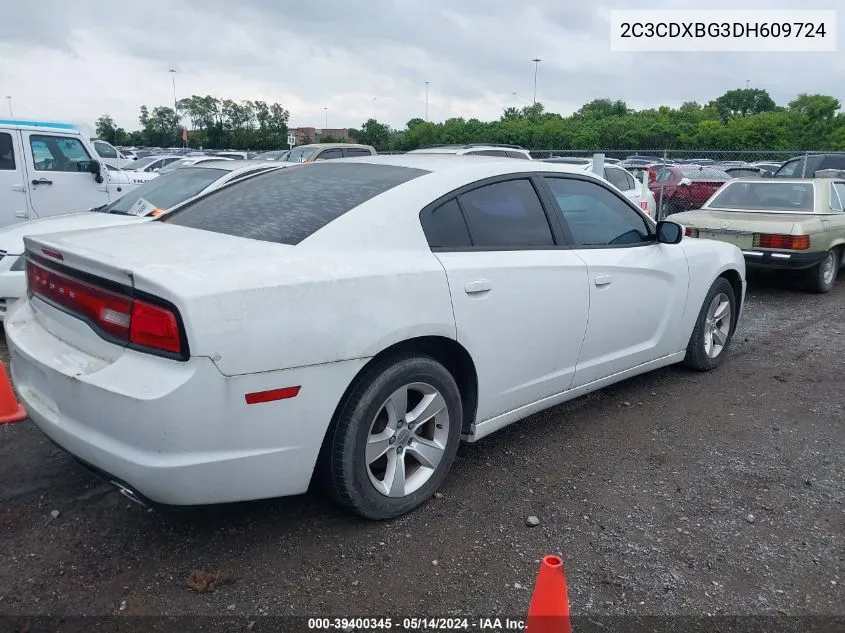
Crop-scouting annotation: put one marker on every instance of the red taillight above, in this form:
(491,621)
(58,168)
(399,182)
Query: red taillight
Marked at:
(108,310)
(154,326)
(690,232)
(113,314)
(787,242)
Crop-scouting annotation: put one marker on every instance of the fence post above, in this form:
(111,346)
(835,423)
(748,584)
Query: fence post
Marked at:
(660,204)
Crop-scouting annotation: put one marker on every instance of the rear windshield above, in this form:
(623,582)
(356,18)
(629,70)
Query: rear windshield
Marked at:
(765,196)
(703,173)
(289,205)
(167,190)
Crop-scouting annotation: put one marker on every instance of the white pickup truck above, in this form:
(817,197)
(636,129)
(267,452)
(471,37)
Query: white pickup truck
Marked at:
(49,169)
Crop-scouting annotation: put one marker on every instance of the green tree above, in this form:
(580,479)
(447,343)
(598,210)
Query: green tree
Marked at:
(375,134)
(105,128)
(163,127)
(742,102)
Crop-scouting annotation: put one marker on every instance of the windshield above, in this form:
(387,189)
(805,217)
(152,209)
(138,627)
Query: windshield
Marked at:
(301,154)
(176,164)
(167,190)
(143,162)
(765,196)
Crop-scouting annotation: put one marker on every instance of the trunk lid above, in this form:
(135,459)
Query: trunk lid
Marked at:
(748,222)
(155,257)
(189,269)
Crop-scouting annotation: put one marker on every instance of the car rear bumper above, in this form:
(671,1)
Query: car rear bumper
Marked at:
(178,433)
(782,260)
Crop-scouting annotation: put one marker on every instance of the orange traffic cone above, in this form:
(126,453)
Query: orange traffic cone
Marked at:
(549,609)
(10,409)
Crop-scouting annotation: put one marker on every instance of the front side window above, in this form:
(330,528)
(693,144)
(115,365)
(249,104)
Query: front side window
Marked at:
(105,150)
(506,214)
(7,152)
(58,153)
(357,151)
(520,155)
(597,217)
(330,154)
(616,177)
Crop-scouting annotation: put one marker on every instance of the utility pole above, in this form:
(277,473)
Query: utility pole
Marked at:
(536,61)
(173,77)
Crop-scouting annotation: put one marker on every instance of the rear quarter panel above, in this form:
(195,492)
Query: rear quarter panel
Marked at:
(340,307)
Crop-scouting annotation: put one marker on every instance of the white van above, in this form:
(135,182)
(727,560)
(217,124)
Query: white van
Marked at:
(48,169)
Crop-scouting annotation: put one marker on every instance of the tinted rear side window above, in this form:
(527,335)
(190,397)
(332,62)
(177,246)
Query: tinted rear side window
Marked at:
(289,205)
(506,214)
(445,227)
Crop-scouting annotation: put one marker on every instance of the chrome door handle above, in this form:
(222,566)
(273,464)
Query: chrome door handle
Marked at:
(475,287)
(603,280)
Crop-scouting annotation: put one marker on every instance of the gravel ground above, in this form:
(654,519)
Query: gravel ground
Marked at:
(672,493)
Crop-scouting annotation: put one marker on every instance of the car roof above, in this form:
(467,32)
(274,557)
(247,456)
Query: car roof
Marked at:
(232,165)
(436,161)
(324,145)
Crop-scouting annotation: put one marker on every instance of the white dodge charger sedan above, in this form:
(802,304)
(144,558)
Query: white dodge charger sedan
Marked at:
(350,321)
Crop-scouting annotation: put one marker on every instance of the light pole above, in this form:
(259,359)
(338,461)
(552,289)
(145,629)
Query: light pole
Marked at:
(375,113)
(536,61)
(326,112)
(426,102)
(9,99)
(747,81)
(172,72)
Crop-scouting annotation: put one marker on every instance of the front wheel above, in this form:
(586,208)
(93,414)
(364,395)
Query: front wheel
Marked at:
(395,438)
(820,278)
(713,329)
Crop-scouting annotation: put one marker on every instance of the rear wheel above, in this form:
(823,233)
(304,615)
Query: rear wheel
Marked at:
(713,329)
(820,278)
(395,438)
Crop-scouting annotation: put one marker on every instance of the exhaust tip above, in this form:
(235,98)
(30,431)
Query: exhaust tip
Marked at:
(128,493)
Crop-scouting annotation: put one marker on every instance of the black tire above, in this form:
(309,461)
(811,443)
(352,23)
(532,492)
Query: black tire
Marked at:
(344,473)
(697,356)
(819,279)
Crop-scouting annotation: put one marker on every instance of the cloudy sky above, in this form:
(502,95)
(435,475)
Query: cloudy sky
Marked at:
(73,60)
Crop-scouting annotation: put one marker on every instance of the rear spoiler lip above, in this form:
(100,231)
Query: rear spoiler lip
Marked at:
(108,284)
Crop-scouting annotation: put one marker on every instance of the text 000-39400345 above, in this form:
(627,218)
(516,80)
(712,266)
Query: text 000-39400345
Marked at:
(729,31)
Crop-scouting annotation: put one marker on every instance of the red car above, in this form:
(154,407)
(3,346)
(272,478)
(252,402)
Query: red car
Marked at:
(685,187)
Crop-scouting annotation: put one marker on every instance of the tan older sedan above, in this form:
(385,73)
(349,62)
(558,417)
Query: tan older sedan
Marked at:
(796,224)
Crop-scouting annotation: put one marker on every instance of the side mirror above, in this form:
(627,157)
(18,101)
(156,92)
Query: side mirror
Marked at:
(766,173)
(669,232)
(95,168)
